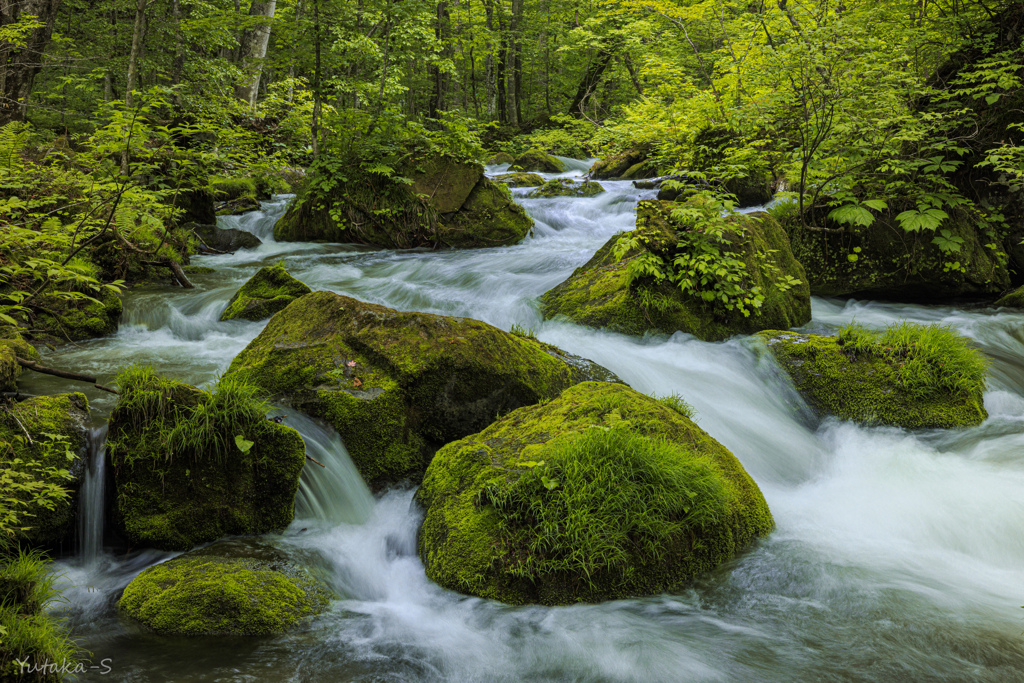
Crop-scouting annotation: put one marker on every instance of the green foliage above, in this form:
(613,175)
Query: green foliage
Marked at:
(677,403)
(28,483)
(925,358)
(207,426)
(520,331)
(601,497)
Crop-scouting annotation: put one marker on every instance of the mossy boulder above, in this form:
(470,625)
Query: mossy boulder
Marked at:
(181,475)
(615,167)
(224,239)
(448,204)
(537,160)
(264,294)
(12,347)
(196,206)
(398,385)
(604,293)
(602,493)
(883,261)
(236,207)
(1013,299)
(501,158)
(229,588)
(835,379)
(228,189)
(70,320)
(60,441)
(519,179)
(564,187)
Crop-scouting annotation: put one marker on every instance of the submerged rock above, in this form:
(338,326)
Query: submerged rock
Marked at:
(395,385)
(564,187)
(191,467)
(602,493)
(605,293)
(224,239)
(242,588)
(520,179)
(537,160)
(264,294)
(449,203)
(56,425)
(871,384)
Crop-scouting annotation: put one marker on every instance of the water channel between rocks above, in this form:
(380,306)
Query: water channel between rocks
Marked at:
(899,556)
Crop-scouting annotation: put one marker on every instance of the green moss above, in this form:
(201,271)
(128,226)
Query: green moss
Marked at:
(62,320)
(62,415)
(489,218)
(264,294)
(520,179)
(1014,299)
(206,593)
(398,385)
(501,158)
(842,379)
(237,207)
(26,587)
(604,293)
(565,187)
(538,160)
(613,167)
(181,476)
(228,189)
(606,524)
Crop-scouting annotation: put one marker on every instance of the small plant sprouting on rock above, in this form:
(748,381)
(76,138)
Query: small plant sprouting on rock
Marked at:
(520,331)
(678,404)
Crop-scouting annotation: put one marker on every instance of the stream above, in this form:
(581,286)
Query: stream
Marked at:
(899,556)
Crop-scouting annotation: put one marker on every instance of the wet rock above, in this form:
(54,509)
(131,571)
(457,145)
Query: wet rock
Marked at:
(264,294)
(520,179)
(537,160)
(501,158)
(227,240)
(565,187)
(602,493)
(395,385)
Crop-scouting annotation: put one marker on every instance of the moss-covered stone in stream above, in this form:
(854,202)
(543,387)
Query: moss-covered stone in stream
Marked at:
(449,203)
(1014,299)
(519,179)
(57,427)
(228,189)
(398,385)
(615,166)
(565,187)
(501,158)
(494,499)
(264,294)
(537,160)
(604,293)
(12,347)
(228,588)
(181,478)
(63,320)
(865,388)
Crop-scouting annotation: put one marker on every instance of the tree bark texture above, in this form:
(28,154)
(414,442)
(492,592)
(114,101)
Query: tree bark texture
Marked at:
(253,49)
(21,63)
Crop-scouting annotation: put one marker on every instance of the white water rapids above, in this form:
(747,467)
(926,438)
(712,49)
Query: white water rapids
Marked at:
(899,556)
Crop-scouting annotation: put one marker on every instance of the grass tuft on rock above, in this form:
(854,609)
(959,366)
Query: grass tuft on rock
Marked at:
(601,496)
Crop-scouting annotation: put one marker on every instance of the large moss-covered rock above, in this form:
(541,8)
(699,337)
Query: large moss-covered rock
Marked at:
(63,320)
(883,261)
(604,293)
(60,441)
(264,294)
(12,347)
(448,204)
(181,477)
(195,206)
(1013,299)
(838,380)
(500,158)
(537,160)
(520,179)
(224,239)
(228,588)
(546,505)
(564,187)
(399,385)
(236,207)
(618,166)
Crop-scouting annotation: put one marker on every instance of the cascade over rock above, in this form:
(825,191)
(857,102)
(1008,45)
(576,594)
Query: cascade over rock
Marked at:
(396,385)
(264,294)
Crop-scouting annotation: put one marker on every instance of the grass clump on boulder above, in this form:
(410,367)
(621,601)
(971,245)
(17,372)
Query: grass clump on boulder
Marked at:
(191,466)
(914,376)
(264,294)
(398,385)
(602,493)
(229,588)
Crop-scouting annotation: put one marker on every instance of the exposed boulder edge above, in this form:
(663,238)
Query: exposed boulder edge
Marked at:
(396,385)
(519,179)
(537,160)
(229,588)
(603,293)
(264,294)
(565,187)
(861,387)
(462,542)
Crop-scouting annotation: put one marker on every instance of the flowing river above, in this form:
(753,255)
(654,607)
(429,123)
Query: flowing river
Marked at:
(899,556)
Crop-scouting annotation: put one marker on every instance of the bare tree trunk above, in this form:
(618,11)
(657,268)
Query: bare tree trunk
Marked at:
(252,51)
(515,104)
(315,126)
(499,75)
(178,65)
(490,75)
(590,81)
(138,33)
(19,64)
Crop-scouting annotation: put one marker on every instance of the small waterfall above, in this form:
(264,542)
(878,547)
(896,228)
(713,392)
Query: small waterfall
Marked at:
(91,498)
(334,493)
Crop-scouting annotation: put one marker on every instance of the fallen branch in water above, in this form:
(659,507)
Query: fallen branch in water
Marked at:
(317,462)
(31,365)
